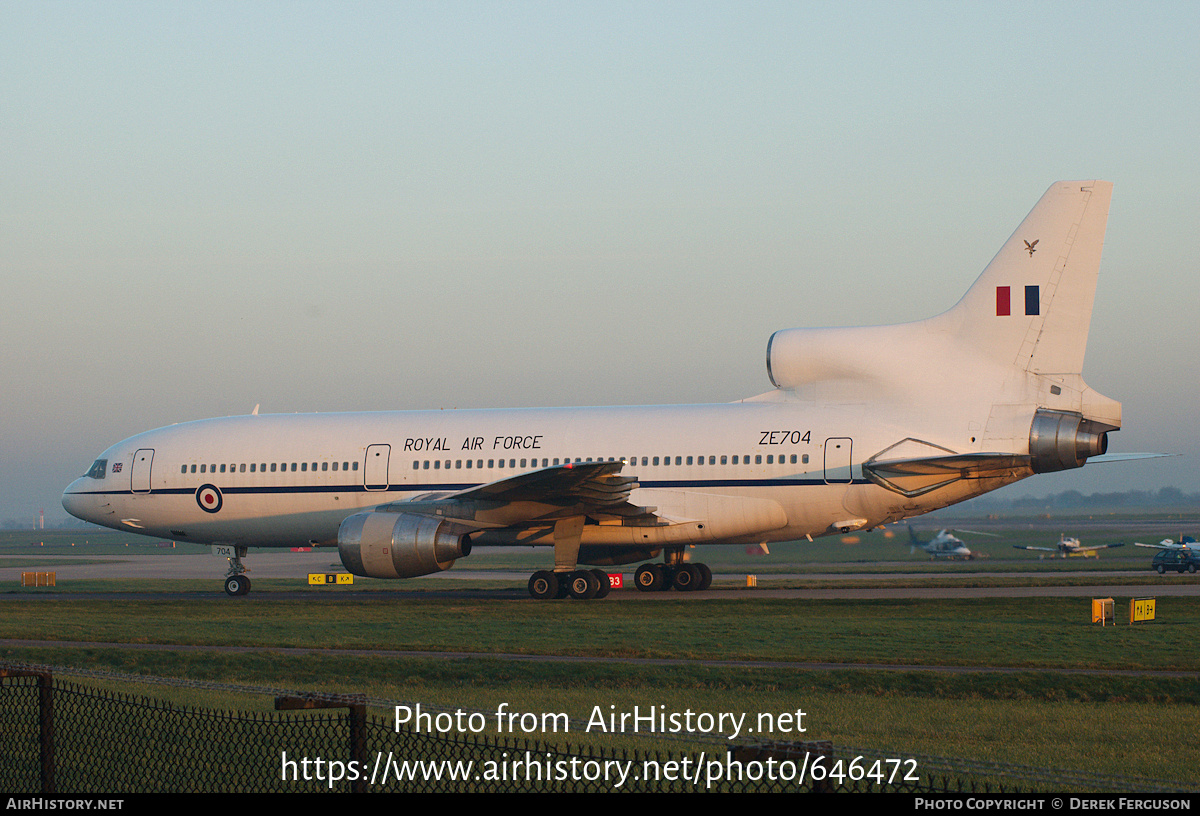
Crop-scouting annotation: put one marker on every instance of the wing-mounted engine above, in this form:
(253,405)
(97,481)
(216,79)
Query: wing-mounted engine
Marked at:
(381,544)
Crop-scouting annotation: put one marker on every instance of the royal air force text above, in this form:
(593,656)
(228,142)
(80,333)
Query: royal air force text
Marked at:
(418,444)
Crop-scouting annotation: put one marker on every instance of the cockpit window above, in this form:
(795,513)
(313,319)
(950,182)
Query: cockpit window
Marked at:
(99,469)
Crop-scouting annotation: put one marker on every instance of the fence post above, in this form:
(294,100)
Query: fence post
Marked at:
(358,723)
(45,682)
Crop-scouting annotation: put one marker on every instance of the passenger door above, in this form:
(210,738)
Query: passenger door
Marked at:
(837,460)
(139,476)
(375,473)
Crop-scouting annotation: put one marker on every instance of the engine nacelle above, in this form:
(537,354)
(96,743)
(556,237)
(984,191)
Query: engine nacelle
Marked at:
(799,356)
(1061,441)
(400,545)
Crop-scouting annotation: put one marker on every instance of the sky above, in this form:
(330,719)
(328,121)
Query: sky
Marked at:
(367,206)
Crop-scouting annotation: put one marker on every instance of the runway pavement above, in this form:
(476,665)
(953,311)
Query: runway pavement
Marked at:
(726,585)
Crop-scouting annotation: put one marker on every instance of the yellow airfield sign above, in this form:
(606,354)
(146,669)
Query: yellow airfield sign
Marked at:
(328,578)
(1102,611)
(1141,609)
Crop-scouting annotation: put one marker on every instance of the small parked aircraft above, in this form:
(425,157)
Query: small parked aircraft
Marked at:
(1068,547)
(946,545)
(1187,542)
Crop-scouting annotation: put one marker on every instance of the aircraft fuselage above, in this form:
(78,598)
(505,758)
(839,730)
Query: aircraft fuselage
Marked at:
(290,479)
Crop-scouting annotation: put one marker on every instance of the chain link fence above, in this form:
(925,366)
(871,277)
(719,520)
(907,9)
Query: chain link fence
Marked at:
(74,737)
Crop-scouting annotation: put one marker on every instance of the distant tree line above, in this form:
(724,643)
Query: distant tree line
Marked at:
(51,524)
(1164,497)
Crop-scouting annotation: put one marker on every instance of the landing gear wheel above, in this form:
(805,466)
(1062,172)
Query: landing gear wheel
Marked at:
(237,585)
(705,577)
(668,573)
(583,585)
(236,582)
(543,585)
(687,578)
(649,577)
(605,584)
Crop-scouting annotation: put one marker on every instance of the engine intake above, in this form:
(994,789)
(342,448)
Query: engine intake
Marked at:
(400,545)
(1061,441)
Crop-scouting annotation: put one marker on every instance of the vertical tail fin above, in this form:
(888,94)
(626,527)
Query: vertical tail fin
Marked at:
(1032,306)
(1014,344)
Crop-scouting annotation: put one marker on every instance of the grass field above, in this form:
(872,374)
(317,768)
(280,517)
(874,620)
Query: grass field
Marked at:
(1040,714)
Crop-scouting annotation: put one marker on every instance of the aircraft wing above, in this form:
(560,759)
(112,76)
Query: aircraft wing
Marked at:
(595,484)
(1101,546)
(592,489)
(1166,544)
(1041,549)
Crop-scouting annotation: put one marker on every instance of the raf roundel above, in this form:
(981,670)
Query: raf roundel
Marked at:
(209,498)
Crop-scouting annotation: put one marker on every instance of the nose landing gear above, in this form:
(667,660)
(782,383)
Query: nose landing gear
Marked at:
(236,581)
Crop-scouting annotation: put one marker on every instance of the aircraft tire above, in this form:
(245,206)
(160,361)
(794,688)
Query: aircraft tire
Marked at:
(705,577)
(583,585)
(649,578)
(237,585)
(543,585)
(687,578)
(668,574)
(605,584)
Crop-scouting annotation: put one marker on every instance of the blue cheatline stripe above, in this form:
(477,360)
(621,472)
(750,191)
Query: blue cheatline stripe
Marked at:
(268,490)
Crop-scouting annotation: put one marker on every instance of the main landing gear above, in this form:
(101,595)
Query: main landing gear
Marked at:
(683,577)
(585,584)
(581,584)
(568,578)
(236,581)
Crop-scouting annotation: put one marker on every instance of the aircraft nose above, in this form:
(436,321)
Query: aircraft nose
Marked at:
(76,502)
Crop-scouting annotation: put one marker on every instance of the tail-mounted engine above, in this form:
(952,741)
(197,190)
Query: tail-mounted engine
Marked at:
(1061,441)
(400,545)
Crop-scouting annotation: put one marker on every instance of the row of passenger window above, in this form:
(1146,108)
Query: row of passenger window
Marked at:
(469,464)
(274,467)
(647,461)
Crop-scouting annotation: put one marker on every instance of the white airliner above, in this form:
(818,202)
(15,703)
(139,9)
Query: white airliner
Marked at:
(865,426)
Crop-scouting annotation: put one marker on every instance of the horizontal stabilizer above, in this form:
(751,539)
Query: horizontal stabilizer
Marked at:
(1125,457)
